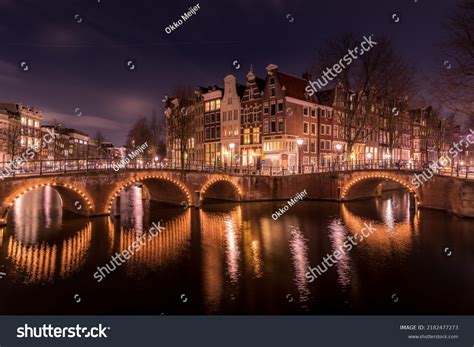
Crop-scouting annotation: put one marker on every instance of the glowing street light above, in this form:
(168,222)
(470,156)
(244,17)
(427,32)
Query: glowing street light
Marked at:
(231,146)
(369,155)
(338,147)
(299,141)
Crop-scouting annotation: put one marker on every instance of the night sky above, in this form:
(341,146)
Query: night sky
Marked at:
(77,50)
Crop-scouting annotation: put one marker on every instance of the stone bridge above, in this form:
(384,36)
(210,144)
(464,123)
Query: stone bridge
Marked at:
(95,193)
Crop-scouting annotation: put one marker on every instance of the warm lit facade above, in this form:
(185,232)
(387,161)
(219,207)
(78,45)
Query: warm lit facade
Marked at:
(251,122)
(212,126)
(230,121)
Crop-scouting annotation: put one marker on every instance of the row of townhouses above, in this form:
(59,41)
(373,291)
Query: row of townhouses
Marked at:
(271,121)
(21,128)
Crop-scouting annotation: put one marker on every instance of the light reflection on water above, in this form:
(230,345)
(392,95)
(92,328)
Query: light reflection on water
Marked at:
(227,258)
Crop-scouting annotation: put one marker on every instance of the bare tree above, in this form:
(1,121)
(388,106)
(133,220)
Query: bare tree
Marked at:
(358,84)
(138,135)
(181,113)
(454,87)
(398,85)
(100,139)
(157,132)
(13,139)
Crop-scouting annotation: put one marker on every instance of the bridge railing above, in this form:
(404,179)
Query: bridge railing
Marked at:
(49,167)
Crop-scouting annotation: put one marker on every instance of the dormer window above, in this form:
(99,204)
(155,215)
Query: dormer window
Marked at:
(272,81)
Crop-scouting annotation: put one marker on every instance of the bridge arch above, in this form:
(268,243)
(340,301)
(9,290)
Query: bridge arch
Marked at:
(364,185)
(176,191)
(73,199)
(221,188)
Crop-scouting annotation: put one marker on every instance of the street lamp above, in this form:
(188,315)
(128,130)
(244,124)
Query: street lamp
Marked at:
(299,141)
(231,146)
(156,160)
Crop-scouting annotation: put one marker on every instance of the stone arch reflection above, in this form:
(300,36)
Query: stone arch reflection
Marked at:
(159,251)
(221,238)
(388,237)
(43,262)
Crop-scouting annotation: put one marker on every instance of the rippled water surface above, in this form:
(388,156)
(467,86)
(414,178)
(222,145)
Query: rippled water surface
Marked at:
(235,259)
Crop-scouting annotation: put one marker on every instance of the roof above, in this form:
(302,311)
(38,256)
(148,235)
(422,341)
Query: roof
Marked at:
(260,83)
(326,97)
(240,90)
(295,86)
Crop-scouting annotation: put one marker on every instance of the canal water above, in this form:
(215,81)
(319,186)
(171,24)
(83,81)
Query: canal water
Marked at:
(230,258)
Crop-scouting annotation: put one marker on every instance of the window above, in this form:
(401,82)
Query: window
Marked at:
(305,160)
(313,113)
(305,128)
(265,126)
(272,81)
(273,126)
(218,117)
(213,132)
(280,124)
(224,116)
(329,114)
(313,146)
(236,114)
(272,92)
(305,146)
(334,131)
(218,132)
(313,128)
(256,135)
(265,110)
(213,118)
(280,106)
(321,144)
(322,128)
(328,130)
(305,111)
(207,133)
(246,136)
(207,119)
(273,109)
(218,104)
(213,105)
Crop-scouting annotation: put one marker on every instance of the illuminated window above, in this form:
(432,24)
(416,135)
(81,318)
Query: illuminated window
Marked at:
(256,135)
(213,105)
(246,136)
(305,128)
(207,106)
(218,104)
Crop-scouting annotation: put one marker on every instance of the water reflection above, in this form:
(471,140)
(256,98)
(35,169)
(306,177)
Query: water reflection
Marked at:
(299,256)
(41,262)
(231,258)
(221,242)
